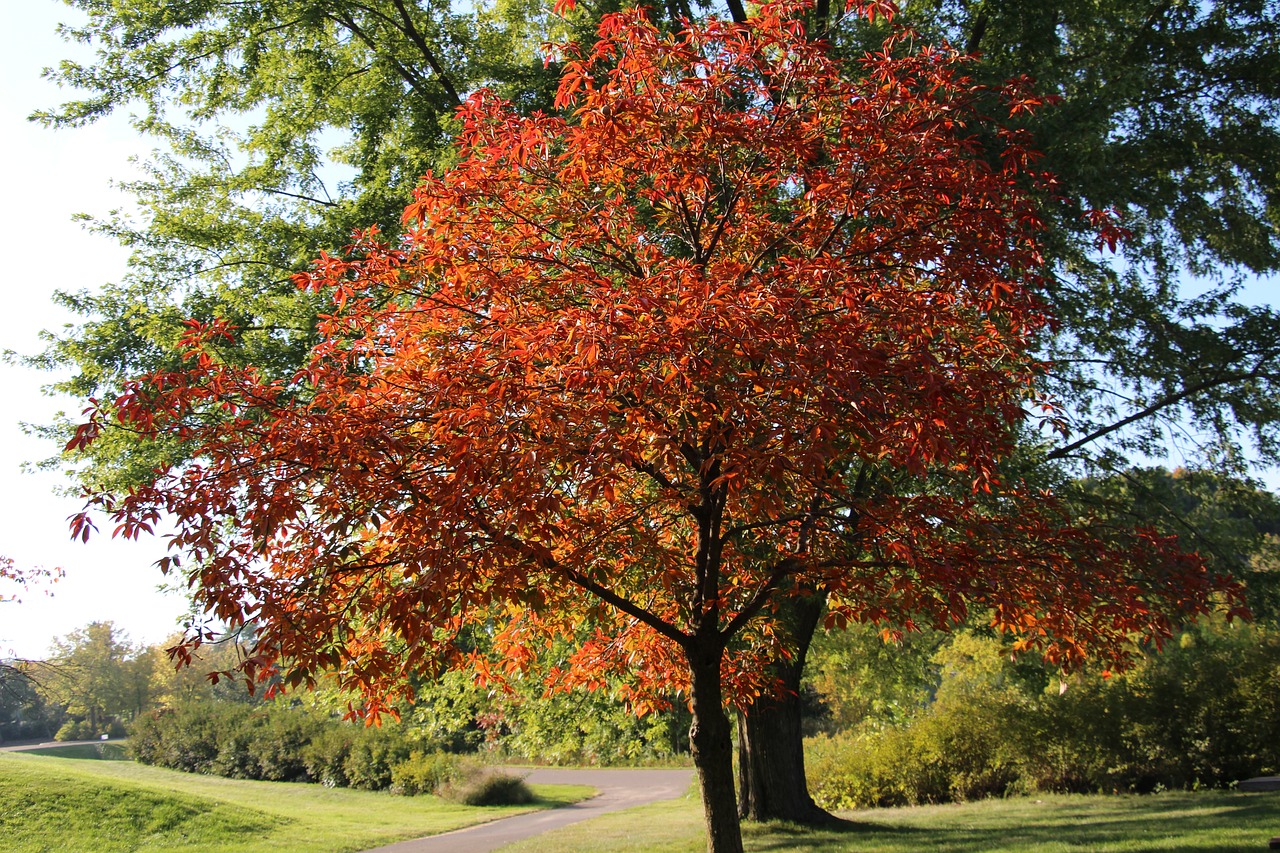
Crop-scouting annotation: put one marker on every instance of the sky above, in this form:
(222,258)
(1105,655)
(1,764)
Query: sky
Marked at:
(51,176)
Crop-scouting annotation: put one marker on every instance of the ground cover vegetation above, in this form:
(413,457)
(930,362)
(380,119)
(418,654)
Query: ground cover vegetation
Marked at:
(1134,349)
(73,804)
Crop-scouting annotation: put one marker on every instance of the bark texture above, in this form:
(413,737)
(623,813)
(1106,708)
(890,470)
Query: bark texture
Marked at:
(771,776)
(711,743)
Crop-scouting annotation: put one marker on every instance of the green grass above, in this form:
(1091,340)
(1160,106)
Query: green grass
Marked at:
(89,804)
(1206,822)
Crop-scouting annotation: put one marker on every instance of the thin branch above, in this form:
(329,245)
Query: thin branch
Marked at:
(761,597)
(544,558)
(1163,403)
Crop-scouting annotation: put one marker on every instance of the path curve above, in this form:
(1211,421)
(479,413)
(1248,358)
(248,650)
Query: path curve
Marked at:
(619,789)
(32,746)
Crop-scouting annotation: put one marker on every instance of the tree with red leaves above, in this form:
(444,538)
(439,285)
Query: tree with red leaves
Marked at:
(13,579)
(661,360)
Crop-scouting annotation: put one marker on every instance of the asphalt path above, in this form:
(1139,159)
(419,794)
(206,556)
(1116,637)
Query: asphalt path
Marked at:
(619,789)
(50,744)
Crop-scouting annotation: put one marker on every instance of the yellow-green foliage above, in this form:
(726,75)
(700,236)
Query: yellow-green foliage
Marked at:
(1205,712)
(423,773)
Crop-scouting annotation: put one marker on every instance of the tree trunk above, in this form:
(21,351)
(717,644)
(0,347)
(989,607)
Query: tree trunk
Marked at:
(711,744)
(771,777)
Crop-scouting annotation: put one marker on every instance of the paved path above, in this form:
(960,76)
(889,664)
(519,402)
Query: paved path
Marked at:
(1260,783)
(24,746)
(619,789)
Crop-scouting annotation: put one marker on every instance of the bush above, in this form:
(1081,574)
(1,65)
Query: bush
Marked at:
(1202,713)
(424,773)
(196,738)
(373,753)
(482,786)
(577,727)
(953,753)
(279,743)
(268,743)
(235,758)
(73,730)
(326,756)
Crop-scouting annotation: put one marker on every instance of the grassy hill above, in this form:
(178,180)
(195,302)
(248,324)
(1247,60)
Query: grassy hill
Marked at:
(66,804)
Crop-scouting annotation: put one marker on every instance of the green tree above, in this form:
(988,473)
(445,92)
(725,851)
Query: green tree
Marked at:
(284,126)
(1231,521)
(280,127)
(1168,115)
(98,675)
(202,677)
(24,713)
(864,680)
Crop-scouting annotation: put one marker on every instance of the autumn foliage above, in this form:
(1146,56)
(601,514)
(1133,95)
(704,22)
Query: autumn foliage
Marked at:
(13,579)
(735,321)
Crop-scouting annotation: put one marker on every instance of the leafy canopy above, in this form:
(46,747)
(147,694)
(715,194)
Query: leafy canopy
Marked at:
(1167,115)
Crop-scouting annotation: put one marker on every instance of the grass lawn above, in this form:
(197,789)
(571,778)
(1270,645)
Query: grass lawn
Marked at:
(69,804)
(1214,821)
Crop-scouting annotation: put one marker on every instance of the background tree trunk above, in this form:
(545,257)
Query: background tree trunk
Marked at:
(771,777)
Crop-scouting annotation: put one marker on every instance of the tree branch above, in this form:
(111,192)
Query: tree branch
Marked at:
(1164,402)
(543,558)
(411,30)
(761,597)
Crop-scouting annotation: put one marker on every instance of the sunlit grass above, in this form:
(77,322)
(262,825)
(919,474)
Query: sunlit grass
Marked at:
(72,804)
(1205,822)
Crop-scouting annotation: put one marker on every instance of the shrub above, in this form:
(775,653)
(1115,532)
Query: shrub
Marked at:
(145,738)
(73,730)
(951,753)
(236,758)
(423,773)
(325,757)
(196,738)
(579,727)
(373,753)
(279,741)
(482,786)
(269,743)
(1202,713)
(582,727)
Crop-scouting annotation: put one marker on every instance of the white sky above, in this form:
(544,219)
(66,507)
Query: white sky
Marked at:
(48,177)
(51,176)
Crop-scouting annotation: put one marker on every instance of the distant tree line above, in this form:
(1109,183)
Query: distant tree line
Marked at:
(97,682)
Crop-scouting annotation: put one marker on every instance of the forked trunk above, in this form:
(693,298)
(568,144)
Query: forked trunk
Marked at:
(711,744)
(771,777)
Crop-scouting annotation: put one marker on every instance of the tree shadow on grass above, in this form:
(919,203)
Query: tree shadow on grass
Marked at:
(1192,823)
